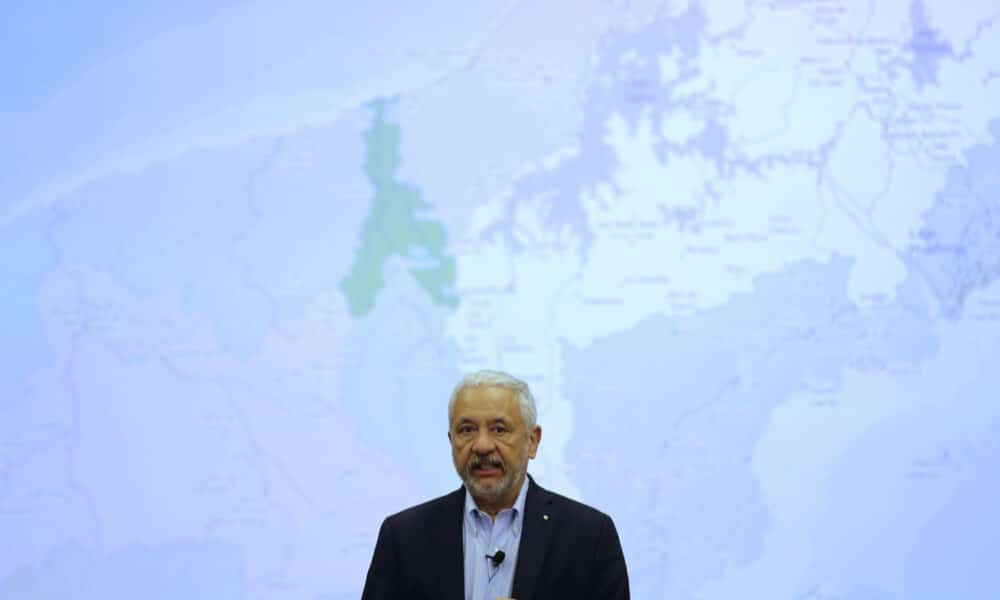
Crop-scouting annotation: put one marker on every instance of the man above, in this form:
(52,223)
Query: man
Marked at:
(500,535)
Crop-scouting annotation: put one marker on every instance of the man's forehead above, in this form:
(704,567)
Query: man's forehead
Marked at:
(485,400)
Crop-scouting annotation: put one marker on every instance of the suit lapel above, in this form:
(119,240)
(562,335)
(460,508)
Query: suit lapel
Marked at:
(445,535)
(536,531)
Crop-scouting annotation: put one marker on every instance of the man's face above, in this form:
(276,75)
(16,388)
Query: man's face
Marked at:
(490,444)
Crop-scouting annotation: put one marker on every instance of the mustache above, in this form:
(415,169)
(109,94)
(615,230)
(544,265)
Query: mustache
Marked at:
(486,461)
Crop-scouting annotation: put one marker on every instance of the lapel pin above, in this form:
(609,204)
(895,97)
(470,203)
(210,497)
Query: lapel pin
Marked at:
(546,517)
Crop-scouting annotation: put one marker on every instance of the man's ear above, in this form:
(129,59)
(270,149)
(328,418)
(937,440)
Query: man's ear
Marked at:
(534,437)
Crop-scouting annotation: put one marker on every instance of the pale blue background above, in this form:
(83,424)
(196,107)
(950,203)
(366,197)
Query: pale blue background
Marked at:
(747,255)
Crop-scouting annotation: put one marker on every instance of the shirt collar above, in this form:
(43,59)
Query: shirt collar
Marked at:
(472,509)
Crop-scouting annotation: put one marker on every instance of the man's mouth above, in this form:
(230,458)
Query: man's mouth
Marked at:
(486,467)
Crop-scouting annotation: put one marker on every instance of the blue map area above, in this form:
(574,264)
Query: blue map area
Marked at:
(958,249)
(633,92)
(953,555)
(200,571)
(747,255)
(208,227)
(927,46)
(28,255)
(399,378)
(695,398)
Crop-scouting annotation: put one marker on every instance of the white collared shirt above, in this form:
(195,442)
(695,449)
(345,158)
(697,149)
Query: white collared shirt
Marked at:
(483,536)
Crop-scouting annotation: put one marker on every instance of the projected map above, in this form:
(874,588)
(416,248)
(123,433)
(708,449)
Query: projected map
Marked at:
(747,254)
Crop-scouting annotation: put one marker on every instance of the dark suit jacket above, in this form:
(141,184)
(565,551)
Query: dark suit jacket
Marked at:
(574,553)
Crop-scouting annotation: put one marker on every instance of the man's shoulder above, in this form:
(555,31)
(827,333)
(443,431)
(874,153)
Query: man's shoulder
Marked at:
(420,513)
(578,511)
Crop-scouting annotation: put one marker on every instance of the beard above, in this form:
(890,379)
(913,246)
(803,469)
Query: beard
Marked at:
(492,493)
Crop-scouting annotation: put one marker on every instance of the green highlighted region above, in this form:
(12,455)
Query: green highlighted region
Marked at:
(395,227)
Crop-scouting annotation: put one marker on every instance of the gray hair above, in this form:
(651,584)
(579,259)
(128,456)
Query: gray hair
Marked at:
(504,380)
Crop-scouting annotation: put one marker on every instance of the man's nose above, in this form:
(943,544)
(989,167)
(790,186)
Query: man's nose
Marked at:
(484,443)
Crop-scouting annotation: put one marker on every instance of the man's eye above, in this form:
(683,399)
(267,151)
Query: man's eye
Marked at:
(465,429)
(500,429)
